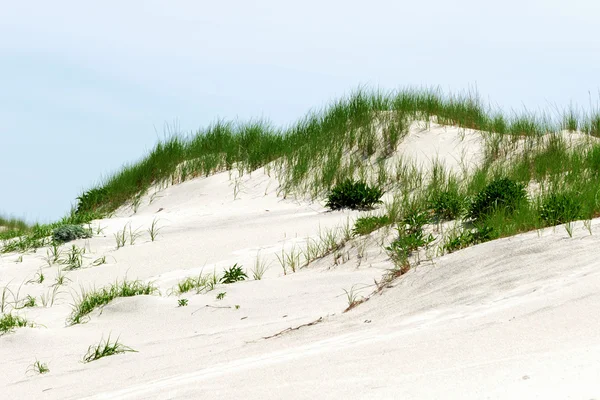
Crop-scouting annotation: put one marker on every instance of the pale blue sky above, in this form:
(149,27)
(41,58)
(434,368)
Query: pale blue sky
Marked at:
(88,86)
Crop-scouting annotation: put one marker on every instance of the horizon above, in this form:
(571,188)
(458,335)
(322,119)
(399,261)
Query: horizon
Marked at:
(94,96)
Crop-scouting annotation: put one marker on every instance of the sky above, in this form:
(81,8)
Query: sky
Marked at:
(88,86)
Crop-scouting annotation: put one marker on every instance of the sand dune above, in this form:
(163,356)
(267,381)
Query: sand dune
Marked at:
(510,318)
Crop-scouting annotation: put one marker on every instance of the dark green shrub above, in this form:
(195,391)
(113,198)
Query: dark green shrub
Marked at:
(447,205)
(366,225)
(66,233)
(501,193)
(560,208)
(233,274)
(354,195)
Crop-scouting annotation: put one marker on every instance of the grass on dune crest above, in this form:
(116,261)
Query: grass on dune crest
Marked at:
(351,138)
(322,148)
(12,224)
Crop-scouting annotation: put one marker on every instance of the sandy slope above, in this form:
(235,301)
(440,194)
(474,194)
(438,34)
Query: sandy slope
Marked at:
(513,318)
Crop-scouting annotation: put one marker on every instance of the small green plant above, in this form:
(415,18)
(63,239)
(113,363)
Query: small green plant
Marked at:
(104,349)
(8,322)
(53,254)
(447,205)
(19,259)
(182,302)
(356,195)
(99,261)
(121,237)
(569,228)
(38,277)
(221,295)
(133,235)
(66,233)
(29,301)
(47,299)
(260,267)
(38,367)
(61,278)
(201,283)
(560,208)
(410,237)
(153,230)
(233,274)
(353,299)
(366,225)
(237,306)
(74,258)
(501,193)
(587,224)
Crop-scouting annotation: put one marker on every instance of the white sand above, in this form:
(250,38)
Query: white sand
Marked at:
(512,318)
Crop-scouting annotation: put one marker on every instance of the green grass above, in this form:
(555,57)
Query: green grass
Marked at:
(105,348)
(353,138)
(38,367)
(13,224)
(309,155)
(8,323)
(21,239)
(88,301)
(366,225)
(201,284)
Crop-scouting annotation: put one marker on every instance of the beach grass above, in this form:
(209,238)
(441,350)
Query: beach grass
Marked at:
(89,300)
(354,138)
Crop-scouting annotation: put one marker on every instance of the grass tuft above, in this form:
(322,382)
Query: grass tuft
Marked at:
(104,349)
(90,300)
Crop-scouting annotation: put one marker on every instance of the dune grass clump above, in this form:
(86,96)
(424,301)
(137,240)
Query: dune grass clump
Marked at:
(356,195)
(559,208)
(501,193)
(89,301)
(460,239)
(8,323)
(366,225)
(201,284)
(106,348)
(448,205)
(410,238)
(12,225)
(66,233)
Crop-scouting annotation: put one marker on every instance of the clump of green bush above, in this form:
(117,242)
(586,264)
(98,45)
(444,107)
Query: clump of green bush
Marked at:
(366,225)
(66,233)
(447,205)
(410,236)
(559,208)
(233,274)
(356,195)
(501,193)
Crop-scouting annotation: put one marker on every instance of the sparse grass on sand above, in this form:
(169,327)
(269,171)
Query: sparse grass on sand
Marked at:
(88,301)
(105,348)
